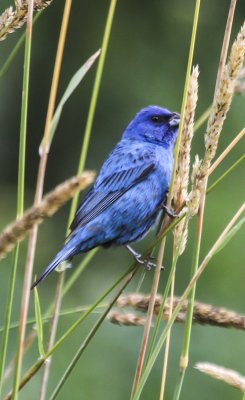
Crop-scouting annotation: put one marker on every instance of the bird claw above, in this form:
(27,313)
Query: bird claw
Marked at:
(169,212)
(148,265)
(146,262)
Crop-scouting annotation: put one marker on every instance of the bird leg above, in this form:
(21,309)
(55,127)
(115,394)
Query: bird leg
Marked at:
(138,257)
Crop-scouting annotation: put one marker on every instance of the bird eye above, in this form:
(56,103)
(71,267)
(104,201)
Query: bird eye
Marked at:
(155,119)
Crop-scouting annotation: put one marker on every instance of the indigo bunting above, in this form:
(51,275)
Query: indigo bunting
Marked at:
(129,192)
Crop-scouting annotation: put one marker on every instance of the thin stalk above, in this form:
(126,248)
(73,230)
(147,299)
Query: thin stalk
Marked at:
(89,337)
(63,313)
(225,44)
(196,252)
(148,323)
(226,151)
(68,285)
(188,326)
(21,178)
(164,297)
(94,99)
(35,368)
(17,47)
(162,245)
(70,282)
(183,106)
(80,268)
(204,314)
(182,299)
(85,262)
(236,163)
(43,162)
(171,280)
(8,311)
(168,227)
(52,335)
(33,234)
(81,166)
(167,345)
(74,326)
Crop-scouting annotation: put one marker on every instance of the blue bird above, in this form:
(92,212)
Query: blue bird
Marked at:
(129,192)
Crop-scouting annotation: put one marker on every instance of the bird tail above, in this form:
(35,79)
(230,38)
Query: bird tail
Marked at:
(63,255)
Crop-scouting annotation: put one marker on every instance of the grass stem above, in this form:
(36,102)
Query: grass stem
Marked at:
(156,278)
(94,99)
(197,245)
(89,337)
(21,179)
(226,151)
(35,368)
(202,267)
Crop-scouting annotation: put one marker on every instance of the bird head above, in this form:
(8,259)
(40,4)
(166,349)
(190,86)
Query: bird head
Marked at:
(154,124)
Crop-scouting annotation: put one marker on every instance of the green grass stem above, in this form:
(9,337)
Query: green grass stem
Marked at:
(8,312)
(162,245)
(200,217)
(225,174)
(196,276)
(35,367)
(20,191)
(22,157)
(93,102)
(89,337)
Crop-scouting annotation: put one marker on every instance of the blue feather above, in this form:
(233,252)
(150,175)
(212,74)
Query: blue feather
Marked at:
(124,202)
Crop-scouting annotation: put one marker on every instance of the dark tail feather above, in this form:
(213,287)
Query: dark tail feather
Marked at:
(63,255)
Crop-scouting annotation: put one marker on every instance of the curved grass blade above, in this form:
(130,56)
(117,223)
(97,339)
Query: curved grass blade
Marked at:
(230,235)
(39,324)
(73,84)
(236,163)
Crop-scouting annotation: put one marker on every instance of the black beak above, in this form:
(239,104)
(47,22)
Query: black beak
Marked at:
(174,120)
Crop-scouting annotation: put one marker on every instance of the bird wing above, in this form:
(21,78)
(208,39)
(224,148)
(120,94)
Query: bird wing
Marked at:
(109,189)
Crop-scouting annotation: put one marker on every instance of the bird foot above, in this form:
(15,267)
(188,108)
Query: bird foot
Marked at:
(149,265)
(146,262)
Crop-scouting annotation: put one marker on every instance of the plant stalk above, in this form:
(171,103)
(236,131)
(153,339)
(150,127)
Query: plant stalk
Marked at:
(196,253)
(156,278)
(23,131)
(182,299)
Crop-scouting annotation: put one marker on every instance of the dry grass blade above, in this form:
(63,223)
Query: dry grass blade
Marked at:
(226,151)
(10,20)
(221,105)
(17,230)
(204,314)
(228,376)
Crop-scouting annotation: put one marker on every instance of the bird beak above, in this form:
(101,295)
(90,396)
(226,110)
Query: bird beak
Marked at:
(174,120)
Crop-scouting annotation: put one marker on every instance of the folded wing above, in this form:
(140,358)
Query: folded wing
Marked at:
(108,190)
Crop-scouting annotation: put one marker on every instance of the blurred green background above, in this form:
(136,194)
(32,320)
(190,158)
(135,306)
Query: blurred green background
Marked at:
(146,64)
